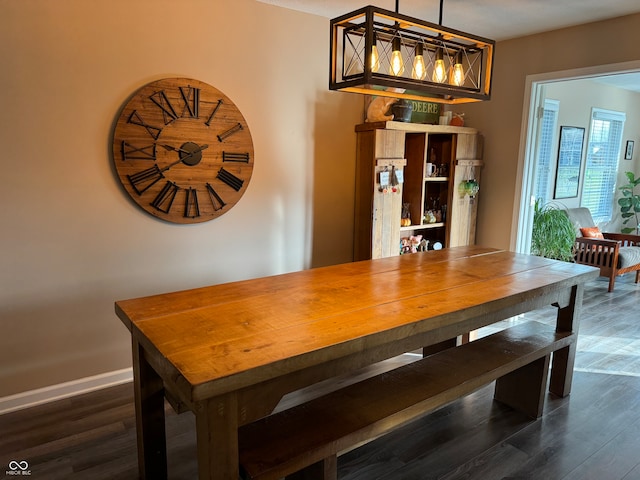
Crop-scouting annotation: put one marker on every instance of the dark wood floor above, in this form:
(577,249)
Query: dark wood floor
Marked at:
(592,434)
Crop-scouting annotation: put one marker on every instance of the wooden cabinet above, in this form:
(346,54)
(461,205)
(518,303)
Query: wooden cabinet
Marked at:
(439,208)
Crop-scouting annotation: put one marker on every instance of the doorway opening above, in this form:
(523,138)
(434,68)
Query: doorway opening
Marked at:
(540,116)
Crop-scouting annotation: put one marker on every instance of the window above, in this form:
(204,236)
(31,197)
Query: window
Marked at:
(545,151)
(603,152)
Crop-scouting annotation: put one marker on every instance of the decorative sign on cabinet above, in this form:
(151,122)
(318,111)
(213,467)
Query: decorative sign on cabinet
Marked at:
(434,201)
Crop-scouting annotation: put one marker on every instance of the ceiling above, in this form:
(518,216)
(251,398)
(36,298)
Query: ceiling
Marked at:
(627,81)
(494,19)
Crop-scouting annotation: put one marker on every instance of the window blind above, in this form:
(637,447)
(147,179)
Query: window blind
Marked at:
(545,149)
(603,153)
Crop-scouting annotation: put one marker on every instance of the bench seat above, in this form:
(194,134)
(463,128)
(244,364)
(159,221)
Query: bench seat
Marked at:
(308,437)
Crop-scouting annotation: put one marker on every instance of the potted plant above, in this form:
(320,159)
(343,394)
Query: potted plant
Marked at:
(630,204)
(553,234)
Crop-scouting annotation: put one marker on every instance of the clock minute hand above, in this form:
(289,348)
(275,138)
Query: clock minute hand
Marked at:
(171,165)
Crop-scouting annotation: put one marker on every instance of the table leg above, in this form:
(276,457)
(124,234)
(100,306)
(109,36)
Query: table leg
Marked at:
(217,437)
(568,320)
(438,347)
(150,426)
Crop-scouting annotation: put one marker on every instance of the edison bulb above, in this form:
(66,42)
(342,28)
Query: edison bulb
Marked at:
(375,57)
(397,63)
(419,68)
(439,70)
(457,72)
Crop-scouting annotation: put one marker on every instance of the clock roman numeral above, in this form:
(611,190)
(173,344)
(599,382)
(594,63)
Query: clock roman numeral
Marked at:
(145,179)
(191,208)
(231,131)
(191,98)
(136,119)
(161,100)
(164,199)
(215,109)
(131,152)
(230,179)
(216,200)
(235,157)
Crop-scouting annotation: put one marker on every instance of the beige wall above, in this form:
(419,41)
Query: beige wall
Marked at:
(500,119)
(72,243)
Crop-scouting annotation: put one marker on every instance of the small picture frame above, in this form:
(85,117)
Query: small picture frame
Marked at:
(628,151)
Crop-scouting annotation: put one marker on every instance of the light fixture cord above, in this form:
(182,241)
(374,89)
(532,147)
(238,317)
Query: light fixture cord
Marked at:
(441,6)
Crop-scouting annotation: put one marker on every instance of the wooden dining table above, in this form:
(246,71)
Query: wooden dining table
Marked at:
(230,352)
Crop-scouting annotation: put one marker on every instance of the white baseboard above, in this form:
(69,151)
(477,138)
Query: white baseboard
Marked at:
(51,393)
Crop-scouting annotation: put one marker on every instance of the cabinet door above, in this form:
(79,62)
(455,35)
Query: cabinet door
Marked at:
(376,214)
(464,209)
(387,207)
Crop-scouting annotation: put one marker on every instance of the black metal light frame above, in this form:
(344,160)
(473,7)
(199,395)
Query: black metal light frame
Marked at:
(352,39)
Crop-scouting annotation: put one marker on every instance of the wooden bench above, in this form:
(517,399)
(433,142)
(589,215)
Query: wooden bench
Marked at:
(303,442)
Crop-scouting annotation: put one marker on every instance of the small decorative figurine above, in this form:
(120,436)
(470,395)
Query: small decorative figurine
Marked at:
(405,216)
(379,108)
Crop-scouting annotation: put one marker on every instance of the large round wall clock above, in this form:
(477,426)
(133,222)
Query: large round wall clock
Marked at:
(182,150)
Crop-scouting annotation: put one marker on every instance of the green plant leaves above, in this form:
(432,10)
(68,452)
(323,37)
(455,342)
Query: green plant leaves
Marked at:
(632,180)
(630,203)
(553,234)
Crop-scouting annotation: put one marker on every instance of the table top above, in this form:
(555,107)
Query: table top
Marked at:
(241,333)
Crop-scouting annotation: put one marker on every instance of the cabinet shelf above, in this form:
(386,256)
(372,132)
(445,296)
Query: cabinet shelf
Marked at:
(422,226)
(436,179)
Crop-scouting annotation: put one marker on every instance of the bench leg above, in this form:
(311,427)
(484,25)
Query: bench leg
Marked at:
(524,389)
(326,469)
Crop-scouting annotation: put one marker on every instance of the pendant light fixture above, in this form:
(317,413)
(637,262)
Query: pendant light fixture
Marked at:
(371,46)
